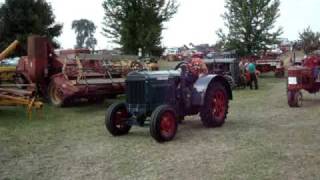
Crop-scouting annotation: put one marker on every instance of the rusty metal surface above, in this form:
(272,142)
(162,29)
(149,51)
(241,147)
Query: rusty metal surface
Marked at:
(37,57)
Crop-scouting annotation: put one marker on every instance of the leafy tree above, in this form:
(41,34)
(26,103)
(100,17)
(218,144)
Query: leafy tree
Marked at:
(310,40)
(250,25)
(85,30)
(19,19)
(137,24)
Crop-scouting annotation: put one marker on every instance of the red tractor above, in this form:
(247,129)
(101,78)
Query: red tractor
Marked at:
(67,75)
(303,77)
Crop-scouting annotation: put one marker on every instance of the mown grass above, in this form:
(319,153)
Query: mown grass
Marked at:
(262,139)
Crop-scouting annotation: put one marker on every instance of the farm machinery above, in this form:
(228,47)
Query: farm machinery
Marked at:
(161,99)
(12,96)
(227,65)
(270,62)
(68,75)
(7,72)
(303,77)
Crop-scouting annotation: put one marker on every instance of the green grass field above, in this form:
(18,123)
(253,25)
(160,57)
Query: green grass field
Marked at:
(262,139)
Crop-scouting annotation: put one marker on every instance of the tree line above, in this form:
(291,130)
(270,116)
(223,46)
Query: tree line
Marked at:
(133,24)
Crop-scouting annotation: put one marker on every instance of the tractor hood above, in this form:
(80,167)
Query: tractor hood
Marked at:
(155,75)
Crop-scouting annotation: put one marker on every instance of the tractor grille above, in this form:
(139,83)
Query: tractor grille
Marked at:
(136,92)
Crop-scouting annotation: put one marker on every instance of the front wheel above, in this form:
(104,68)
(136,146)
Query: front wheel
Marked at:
(215,109)
(116,119)
(294,98)
(164,123)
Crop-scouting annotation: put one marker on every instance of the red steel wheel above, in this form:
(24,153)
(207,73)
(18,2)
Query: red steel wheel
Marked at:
(215,109)
(167,124)
(117,119)
(219,104)
(163,126)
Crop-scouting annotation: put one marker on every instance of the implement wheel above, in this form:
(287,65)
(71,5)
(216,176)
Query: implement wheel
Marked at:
(294,98)
(117,119)
(55,95)
(164,123)
(215,109)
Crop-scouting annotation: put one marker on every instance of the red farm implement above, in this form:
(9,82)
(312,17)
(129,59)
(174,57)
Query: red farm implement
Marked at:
(67,75)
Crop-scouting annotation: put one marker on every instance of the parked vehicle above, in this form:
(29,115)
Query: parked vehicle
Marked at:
(270,62)
(73,74)
(225,64)
(161,99)
(305,77)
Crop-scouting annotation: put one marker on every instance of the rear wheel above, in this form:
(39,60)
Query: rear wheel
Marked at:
(294,98)
(215,109)
(116,119)
(164,123)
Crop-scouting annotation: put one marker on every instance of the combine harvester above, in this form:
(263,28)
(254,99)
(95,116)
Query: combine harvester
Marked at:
(11,96)
(68,75)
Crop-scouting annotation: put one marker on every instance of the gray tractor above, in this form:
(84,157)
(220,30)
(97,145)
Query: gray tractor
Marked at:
(161,99)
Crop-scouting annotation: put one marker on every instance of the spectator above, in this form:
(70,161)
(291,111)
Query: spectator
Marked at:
(253,76)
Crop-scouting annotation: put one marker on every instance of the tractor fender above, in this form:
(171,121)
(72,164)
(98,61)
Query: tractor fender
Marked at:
(201,85)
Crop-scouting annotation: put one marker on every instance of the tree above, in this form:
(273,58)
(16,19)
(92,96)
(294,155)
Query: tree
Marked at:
(19,19)
(310,40)
(250,25)
(85,30)
(137,24)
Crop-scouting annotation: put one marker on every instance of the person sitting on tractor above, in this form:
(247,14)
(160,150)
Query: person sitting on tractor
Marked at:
(191,70)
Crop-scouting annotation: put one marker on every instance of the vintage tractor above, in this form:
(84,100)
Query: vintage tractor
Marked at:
(161,99)
(67,75)
(304,77)
(227,65)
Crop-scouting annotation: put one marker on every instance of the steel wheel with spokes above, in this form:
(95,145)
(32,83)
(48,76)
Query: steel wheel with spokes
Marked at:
(215,108)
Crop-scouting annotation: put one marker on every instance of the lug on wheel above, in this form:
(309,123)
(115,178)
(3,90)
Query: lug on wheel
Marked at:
(117,119)
(294,98)
(215,109)
(164,123)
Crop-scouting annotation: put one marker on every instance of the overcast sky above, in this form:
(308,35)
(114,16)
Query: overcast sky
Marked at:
(196,21)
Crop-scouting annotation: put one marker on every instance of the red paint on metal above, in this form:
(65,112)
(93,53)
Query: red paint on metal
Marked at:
(167,124)
(74,79)
(219,104)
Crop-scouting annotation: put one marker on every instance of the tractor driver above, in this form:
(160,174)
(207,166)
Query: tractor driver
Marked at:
(190,72)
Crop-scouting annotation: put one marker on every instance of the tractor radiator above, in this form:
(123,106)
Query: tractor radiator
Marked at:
(135,92)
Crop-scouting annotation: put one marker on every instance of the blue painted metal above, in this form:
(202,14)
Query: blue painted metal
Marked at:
(202,84)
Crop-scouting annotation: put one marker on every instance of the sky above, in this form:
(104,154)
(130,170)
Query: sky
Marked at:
(196,21)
